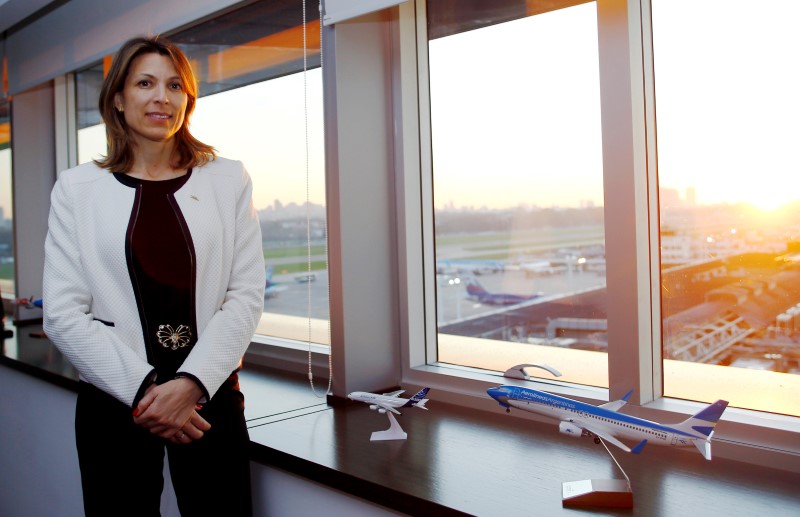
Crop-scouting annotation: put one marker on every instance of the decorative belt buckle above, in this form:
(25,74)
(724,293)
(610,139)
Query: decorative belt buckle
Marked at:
(174,338)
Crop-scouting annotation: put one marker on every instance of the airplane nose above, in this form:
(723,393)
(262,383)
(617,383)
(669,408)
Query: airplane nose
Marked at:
(496,393)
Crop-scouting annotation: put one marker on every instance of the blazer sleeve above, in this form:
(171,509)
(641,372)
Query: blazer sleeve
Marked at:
(93,348)
(223,342)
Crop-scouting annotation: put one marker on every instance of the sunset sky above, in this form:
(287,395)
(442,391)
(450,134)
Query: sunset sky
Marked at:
(727,111)
(263,126)
(727,106)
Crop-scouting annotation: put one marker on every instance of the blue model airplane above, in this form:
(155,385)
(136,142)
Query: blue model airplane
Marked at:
(476,291)
(29,303)
(606,423)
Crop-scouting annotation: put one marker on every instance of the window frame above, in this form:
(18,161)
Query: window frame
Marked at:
(632,239)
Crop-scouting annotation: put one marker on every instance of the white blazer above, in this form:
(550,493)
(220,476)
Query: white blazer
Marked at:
(90,312)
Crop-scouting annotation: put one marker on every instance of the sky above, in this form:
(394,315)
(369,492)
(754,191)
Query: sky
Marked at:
(515,111)
(516,115)
(728,105)
(268,133)
(263,125)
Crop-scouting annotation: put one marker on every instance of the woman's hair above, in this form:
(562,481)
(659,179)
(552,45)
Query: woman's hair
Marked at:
(189,152)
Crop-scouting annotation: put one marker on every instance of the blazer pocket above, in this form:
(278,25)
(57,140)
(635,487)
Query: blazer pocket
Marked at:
(106,323)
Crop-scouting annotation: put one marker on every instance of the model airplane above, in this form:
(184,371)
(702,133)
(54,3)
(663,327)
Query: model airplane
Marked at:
(606,423)
(390,401)
(29,303)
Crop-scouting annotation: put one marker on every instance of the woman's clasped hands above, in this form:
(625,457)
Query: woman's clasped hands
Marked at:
(170,410)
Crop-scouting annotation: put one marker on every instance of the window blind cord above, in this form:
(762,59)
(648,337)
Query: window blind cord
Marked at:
(308,213)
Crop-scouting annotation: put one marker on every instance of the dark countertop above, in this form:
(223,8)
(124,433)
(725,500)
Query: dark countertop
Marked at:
(460,461)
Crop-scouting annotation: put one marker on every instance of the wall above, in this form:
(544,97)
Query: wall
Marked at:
(41,475)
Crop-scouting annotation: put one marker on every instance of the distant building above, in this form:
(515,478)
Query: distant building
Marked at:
(691,196)
(669,198)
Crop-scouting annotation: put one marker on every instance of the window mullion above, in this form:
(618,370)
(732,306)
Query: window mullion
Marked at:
(628,229)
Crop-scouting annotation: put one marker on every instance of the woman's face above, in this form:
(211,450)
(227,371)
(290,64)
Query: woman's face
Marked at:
(153,100)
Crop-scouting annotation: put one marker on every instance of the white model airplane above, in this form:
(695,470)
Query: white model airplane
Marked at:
(390,401)
(605,422)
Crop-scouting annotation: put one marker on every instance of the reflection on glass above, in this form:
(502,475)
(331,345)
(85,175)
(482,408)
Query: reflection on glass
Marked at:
(263,125)
(6,207)
(518,187)
(728,194)
(253,106)
(91,130)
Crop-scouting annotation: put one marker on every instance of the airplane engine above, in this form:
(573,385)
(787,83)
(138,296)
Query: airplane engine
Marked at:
(381,411)
(373,407)
(570,429)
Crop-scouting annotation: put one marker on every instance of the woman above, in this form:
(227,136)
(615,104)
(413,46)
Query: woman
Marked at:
(153,286)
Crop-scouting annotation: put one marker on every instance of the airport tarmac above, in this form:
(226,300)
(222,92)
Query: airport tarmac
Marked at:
(453,302)
(293,297)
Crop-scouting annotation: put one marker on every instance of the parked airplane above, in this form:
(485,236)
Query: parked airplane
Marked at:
(271,289)
(474,266)
(390,401)
(476,291)
(605,422)
(541,268)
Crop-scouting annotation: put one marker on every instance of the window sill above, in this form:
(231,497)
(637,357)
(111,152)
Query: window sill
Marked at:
(462,460)
(748,436)
(457,460)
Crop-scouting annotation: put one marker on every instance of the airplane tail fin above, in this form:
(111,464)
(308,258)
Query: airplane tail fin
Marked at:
(702,425)
(419,400)
(474,288)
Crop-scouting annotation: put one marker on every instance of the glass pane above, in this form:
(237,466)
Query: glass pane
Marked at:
(6,207)
(518,187)
(727,102)
(269,137)
(254,102)
(91,129)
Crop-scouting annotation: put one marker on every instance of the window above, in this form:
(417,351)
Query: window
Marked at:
(91,129)
(6,204)
(518,186)
(253,106)
(726,99)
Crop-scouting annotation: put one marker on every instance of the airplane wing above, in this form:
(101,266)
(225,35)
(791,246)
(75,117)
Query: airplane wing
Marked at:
(388,408)
(604,435)
(394,393)
(617,404)
(613,406)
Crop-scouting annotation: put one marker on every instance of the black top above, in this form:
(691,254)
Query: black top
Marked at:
(161,262)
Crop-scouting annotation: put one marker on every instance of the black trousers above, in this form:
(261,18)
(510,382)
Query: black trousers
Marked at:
(122,463)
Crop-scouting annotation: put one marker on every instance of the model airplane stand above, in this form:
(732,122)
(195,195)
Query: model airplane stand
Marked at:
(611,493)
(395,432)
